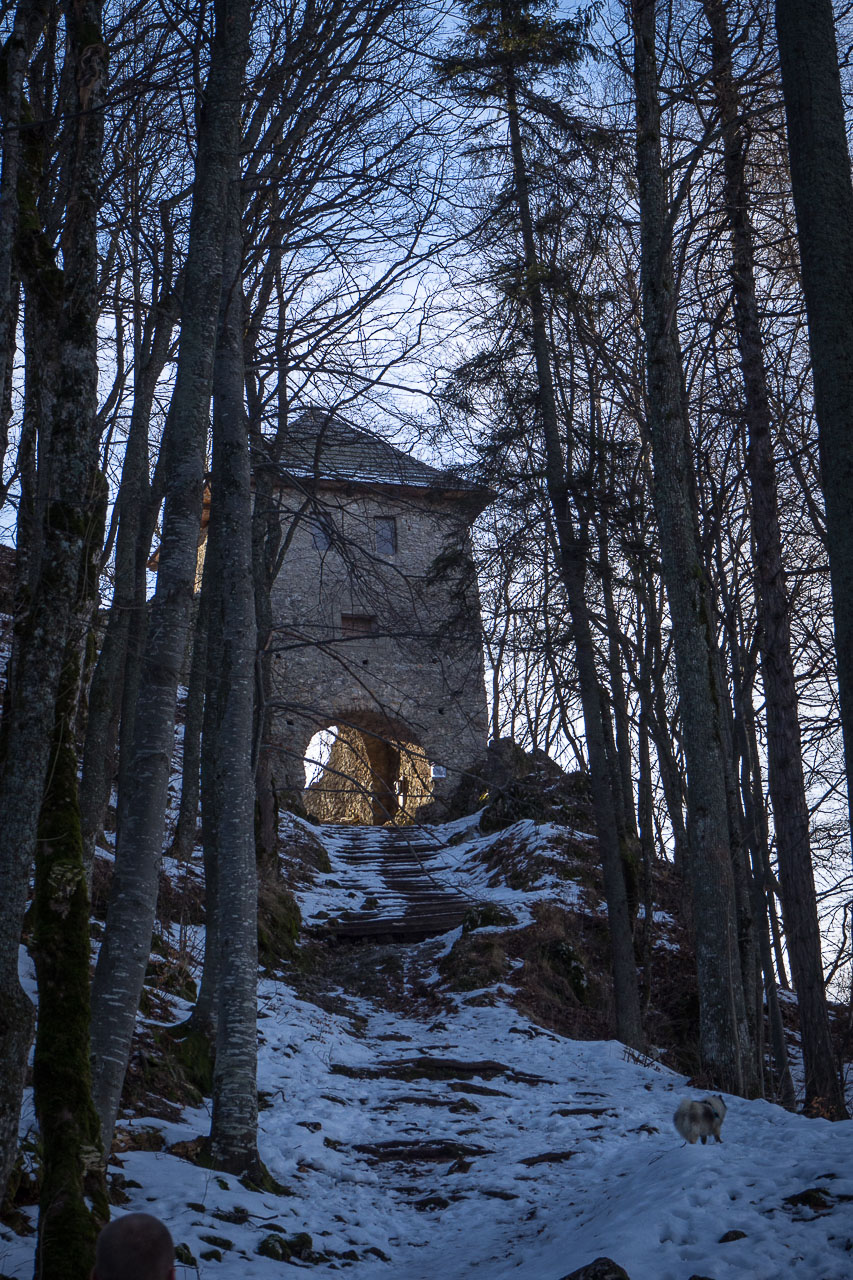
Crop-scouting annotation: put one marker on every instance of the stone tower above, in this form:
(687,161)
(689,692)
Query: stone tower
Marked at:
(377,621)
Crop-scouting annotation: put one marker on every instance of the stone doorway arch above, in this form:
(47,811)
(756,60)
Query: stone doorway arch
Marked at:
(366,769)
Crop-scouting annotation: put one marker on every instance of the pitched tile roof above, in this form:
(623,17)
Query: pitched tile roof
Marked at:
(325,447)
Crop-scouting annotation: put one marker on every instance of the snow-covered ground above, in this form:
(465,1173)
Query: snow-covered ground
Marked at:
(453,858)
(509,1152)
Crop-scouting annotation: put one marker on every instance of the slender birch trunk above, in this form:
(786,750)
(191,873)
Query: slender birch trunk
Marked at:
(725,1045)
(124,954)
(784,746)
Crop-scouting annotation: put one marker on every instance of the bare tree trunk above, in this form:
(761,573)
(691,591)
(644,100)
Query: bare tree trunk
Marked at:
(647,851)
(724,1034)
(184,838)
(132,543)
(266,540)
(202,1021)
(784,747)
(66,302)
(823,199)
(269,545)
(134,656)
(624,756)
(606,793)
(29,19)
(653,704)
(124,954)
(732,721)
(228,735)
(755,830)
(73,1201)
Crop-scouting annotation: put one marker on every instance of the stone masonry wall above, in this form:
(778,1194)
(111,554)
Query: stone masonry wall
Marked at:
(418,676)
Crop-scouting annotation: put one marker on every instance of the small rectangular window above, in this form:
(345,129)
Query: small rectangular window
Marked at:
(386,535)
(357,624)
(321,534)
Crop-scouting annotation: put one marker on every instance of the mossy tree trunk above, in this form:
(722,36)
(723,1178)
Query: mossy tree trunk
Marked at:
(62,305)
(73,1202)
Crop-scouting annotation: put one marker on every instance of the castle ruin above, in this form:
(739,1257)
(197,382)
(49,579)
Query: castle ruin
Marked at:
(377,625)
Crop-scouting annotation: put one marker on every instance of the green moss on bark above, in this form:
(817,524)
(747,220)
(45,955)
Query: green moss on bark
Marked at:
(279,921)
(73,1160)
(631,867)
(193,1050)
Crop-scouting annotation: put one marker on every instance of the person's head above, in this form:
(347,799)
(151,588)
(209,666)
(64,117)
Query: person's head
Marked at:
(135,1247)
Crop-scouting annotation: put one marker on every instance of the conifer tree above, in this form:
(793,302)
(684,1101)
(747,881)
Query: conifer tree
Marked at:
(507,46)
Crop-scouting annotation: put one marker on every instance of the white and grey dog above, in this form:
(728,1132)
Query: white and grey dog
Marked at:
(700,1118)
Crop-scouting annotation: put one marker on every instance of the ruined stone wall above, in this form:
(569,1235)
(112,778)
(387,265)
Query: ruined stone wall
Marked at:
(418,675)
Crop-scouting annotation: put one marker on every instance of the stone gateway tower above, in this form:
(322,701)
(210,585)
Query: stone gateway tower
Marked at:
(377,625)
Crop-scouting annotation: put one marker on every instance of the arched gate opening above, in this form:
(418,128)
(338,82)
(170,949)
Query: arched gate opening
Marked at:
(367,771)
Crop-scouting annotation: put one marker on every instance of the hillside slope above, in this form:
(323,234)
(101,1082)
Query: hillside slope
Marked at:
(419,1124)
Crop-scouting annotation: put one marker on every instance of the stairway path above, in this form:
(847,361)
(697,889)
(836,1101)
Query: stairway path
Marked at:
(393,871)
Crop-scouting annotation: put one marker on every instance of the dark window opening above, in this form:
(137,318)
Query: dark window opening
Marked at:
(386,535)
(357,624)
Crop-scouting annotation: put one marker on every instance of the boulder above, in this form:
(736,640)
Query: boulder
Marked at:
(511,784)
(601,1269)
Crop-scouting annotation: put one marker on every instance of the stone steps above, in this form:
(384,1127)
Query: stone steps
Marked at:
(408,904)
